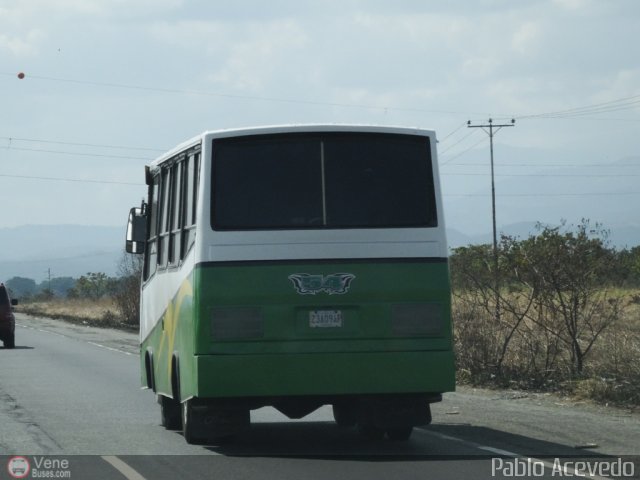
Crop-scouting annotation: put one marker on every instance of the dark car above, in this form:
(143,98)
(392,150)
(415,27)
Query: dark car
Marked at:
(7,319)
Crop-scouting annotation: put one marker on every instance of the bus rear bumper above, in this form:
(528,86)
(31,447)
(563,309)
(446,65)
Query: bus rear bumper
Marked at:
(323,374)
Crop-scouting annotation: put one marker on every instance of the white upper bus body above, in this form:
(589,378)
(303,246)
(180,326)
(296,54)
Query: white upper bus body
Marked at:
(306,244)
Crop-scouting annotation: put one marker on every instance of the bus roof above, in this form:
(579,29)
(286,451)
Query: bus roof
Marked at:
(271,129)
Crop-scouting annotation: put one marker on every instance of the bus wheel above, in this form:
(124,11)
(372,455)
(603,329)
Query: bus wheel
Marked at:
(371,431)
(190,424)
(399,434)
(170,413)
(344,414)
(10,342)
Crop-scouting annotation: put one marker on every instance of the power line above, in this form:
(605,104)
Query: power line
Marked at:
(623,103)
(451,133)
(457,143)
(571,175)
(563,165)
(238,96)
(34,140)
(538,195)
(575,113)
(459,154)
(76,180)
(630,106)
(79,154)
(114,182)
(588,119)
(589,110)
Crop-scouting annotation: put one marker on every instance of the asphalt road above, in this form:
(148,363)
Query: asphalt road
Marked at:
(71,393)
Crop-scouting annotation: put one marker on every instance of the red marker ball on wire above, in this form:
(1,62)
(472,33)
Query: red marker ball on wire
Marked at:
(21,75)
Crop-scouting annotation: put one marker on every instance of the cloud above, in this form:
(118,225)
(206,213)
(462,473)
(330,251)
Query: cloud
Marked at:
(24,45)
(620,84)
(18,37)
(528,38)
(43,9)
(205,36)
(480,67)
(244,55)
(25,25)
(573,4)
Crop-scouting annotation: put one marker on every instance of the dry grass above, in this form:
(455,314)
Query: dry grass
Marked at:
(615,366)
(101,313)
(537,361)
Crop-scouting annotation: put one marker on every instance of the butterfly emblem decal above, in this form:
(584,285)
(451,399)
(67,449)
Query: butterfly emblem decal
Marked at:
(333,284)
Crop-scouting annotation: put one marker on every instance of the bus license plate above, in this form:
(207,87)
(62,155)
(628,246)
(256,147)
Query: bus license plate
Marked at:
(325,319)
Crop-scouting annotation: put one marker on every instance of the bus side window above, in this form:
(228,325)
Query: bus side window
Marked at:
(151,252)
(196,181)
(189,203)
(175,216)
(163,242)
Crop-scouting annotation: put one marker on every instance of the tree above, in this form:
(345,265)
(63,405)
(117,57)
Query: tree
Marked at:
(93,285)
(60,286)
(127,288)
(554,298)
(572,302)
(474,288)
(21,287)
(626,271)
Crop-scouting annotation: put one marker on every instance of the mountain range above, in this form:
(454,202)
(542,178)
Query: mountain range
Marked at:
(35,251)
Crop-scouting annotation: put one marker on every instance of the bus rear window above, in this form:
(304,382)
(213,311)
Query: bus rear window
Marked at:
(317,181)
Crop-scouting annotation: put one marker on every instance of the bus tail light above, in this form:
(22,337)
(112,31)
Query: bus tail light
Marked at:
(236,323)
(416,319)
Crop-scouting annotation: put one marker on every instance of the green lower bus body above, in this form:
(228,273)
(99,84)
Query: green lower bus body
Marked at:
(323,374)
(239,337)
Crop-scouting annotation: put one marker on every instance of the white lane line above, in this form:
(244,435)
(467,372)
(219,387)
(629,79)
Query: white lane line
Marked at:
(110,348)
(126,470)
(41,330)
(72,338)
(499,451)
(52,333)
(572,472)
(469,444)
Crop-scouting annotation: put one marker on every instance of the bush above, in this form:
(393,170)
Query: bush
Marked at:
(548,317)
(127,289)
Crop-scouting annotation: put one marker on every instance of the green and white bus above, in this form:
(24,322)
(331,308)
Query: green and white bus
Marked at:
(295,267)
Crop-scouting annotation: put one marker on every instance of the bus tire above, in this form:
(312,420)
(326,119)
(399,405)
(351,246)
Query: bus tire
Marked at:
(10,342)
(149,371)
(170,414)
(344,414)
(190,424)
(371,431)
(399,434)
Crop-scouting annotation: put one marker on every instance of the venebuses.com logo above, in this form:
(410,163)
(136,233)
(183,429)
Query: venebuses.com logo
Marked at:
(38,467)
(18,467)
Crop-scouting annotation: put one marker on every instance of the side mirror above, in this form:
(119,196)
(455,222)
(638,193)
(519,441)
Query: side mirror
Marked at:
(136,231)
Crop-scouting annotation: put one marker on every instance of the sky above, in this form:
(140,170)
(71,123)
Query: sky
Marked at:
(110,84)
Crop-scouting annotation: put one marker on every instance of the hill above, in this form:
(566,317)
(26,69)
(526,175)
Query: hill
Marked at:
(68,250)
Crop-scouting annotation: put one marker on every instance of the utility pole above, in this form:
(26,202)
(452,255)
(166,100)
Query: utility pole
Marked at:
(491,126)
